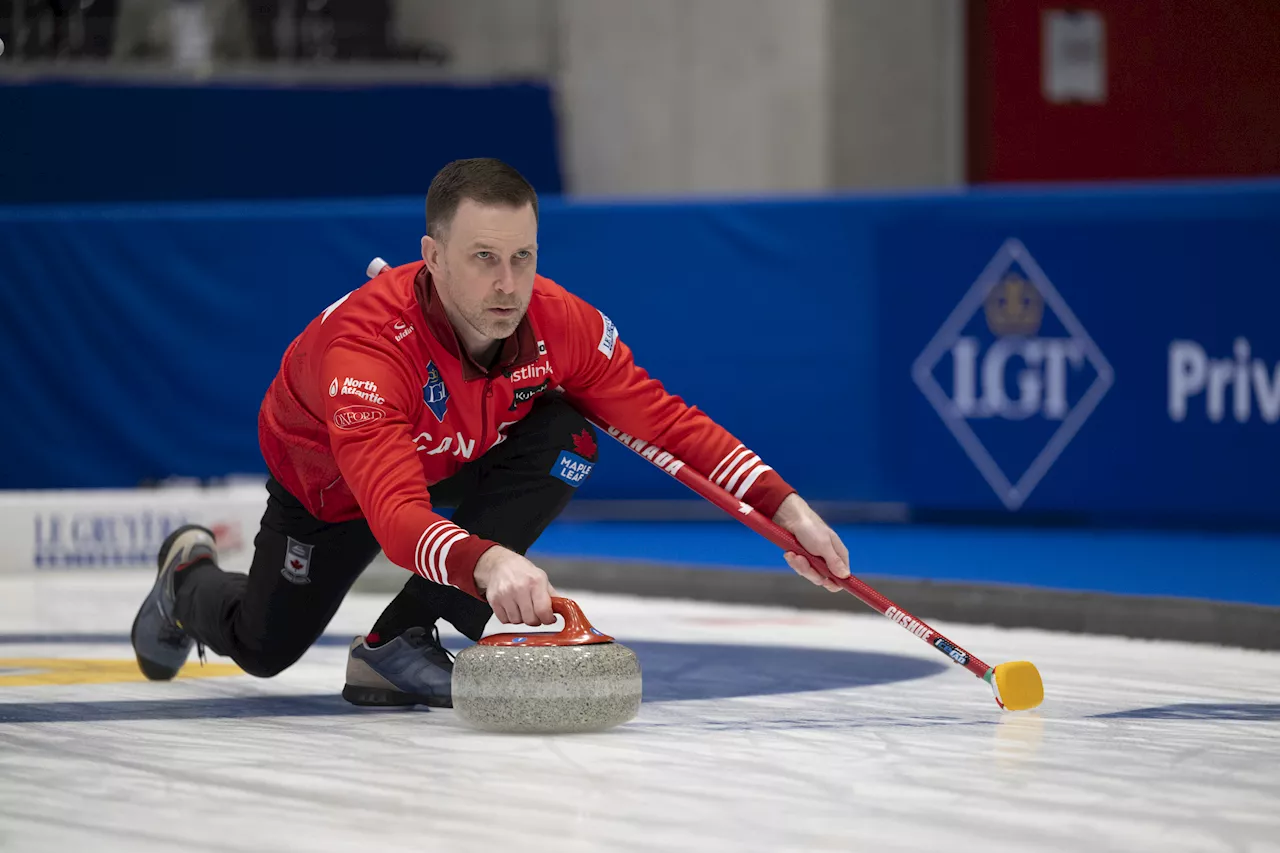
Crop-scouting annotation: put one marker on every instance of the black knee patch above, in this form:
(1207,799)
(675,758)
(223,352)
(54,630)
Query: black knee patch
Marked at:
(267,663)
(567,427)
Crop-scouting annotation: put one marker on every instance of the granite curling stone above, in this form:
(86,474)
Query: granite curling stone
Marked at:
(574,680)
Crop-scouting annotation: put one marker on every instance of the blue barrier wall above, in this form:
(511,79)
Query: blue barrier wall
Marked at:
(1106,352)
(85,142)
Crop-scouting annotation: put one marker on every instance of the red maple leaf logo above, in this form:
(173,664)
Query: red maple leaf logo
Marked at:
(295,564)
(584,445)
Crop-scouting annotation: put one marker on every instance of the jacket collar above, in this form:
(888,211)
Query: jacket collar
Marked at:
(519,349)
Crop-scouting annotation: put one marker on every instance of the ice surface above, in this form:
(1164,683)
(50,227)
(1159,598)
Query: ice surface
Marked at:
(762,729)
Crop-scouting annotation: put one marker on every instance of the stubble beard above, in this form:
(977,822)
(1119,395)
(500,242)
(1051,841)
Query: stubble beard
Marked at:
(494,327)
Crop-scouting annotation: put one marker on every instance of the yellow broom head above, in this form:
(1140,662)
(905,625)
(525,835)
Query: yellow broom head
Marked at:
(1017,685)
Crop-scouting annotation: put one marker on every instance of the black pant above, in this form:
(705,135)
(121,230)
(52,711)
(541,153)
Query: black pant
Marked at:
(266,620)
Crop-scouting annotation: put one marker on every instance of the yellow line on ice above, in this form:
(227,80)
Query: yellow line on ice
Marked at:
(37,672)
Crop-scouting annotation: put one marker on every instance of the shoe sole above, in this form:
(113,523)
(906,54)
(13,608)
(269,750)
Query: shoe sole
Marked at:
(154,671)
(381,697)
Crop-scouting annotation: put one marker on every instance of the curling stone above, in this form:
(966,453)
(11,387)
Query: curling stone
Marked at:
(574,680)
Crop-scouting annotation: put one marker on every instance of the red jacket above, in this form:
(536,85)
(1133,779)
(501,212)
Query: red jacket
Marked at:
(376,401)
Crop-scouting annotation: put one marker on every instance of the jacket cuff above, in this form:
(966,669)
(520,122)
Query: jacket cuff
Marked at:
(461,564)
(767,494)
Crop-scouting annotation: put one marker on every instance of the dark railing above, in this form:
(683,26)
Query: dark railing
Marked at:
(202,33)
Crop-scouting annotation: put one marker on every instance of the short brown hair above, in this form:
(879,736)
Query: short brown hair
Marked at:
(481,179)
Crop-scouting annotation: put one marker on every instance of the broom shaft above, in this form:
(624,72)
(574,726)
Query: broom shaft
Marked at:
(784,539)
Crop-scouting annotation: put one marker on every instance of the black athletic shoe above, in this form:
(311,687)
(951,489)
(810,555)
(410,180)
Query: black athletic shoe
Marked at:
(159,643)
(412,669)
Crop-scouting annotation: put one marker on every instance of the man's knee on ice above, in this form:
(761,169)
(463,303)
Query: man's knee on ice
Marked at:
(268,662)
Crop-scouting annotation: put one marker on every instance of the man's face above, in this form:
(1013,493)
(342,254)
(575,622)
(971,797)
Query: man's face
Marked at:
(483,268)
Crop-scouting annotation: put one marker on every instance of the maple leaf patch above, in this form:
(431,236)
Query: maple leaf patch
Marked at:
(585,445)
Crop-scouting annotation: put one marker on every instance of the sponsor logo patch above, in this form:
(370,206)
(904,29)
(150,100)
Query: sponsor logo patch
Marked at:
(524,395)
(609,338)
(362,388)
(571,468)
(297,562)
(350,417)
(402,331)
(434,393)
(951,651)
(529,371)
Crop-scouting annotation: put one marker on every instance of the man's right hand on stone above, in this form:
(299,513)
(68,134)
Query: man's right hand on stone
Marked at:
(518,591)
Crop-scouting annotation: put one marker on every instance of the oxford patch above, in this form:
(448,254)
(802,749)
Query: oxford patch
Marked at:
(350,417)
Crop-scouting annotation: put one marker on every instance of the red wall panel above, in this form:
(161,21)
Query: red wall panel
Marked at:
(1193,90)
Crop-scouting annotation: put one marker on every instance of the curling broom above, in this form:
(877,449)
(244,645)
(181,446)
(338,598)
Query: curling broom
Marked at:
(1016,684)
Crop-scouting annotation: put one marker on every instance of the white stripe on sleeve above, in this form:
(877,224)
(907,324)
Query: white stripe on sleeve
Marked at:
(747,483)
(743,469)
(437,542)
(727,457)
(424,544)
(737,460)
(441,564)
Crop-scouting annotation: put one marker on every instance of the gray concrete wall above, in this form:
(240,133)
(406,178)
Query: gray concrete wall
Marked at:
(662,97)
(897,93)
(501,38)
(681,96)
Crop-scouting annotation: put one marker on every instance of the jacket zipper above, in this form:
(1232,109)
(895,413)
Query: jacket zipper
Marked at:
(484,418)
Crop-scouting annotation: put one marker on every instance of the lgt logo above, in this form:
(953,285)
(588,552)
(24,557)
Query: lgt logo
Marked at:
(1012,362)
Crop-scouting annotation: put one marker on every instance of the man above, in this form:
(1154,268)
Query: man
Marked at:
(459,381)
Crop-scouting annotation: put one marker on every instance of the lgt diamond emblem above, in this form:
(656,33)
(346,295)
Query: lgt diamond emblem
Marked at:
(1013,374)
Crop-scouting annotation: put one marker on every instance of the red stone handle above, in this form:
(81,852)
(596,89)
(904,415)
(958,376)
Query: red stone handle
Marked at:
(577,631)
